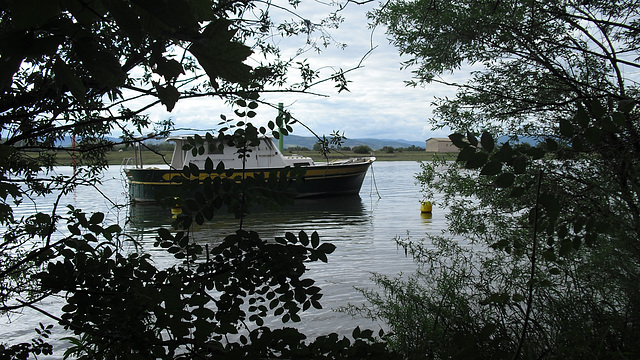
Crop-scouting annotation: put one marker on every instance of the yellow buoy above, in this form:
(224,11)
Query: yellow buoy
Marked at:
(425,207)
(175,211)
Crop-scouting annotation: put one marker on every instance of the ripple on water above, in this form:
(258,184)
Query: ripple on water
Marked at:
(361,227)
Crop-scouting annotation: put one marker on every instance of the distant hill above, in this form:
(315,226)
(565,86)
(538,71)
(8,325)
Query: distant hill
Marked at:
(309,141)
(375,144)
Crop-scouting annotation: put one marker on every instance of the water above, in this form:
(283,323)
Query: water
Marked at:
(362,228)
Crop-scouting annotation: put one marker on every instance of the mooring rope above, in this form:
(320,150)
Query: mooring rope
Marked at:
(373,183)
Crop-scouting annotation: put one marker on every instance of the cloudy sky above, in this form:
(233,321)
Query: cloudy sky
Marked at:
(378,104)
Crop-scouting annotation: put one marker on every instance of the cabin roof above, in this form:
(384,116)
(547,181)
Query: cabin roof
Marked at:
(184,137)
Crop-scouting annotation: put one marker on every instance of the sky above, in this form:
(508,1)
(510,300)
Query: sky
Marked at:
(378,104)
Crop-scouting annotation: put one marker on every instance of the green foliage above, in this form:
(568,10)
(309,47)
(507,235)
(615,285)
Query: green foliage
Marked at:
(37,346)
(326,144)
(362,149)
(194,304)
(388,149)
(413,148)
(551,225)
(292,149)
(433,313)
(76,71)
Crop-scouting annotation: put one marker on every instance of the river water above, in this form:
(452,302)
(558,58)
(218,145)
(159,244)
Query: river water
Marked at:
(363,229)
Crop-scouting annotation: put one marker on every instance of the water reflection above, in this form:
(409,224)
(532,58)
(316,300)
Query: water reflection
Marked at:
(317,214)
(306,209)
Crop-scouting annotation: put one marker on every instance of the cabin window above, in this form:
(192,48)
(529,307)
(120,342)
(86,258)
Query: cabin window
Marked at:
(214,148)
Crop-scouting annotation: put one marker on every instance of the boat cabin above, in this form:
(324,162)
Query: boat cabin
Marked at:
(265,155)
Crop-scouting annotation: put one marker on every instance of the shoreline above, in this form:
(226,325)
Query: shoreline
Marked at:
(118,157)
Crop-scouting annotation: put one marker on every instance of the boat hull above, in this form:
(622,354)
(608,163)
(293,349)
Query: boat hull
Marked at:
(153,185)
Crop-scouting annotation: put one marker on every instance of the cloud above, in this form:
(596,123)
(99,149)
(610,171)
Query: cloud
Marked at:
(377,105)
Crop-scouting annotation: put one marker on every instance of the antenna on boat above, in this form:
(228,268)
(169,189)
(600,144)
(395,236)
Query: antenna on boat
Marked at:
(280,138)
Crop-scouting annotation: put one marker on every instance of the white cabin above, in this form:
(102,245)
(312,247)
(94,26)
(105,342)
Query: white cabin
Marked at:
(265,155)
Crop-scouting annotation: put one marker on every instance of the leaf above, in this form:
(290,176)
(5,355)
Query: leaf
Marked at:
(126,19)
(491,168)
(194,170)
(304,239)
(96,218)
(220,55)
(327,248)
(168,95)
(549,255)
(458,140)
(550,204)
(291,238)
(466,154)
(315,240)
(536,153)
(472,139)
(102,64)
(66,76)
(487,142)
(566,128)
(74,229)
(565,247)
(30,13)
(597,109)
(582,117)
(477,161)
(165,234)
(504,180)
(169,69)
(626,105)
(68,308)
(519,164)
(505,153)
(551,144)
(517,191)
(208,165)
(592,135)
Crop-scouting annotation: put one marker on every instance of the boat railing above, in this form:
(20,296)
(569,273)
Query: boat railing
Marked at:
(353,160)
(127,162)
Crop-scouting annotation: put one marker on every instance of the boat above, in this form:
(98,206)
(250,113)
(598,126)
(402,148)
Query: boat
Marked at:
(313,179)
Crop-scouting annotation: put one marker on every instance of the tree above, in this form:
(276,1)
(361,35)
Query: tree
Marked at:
(362,149)
(82,69)
(555,224)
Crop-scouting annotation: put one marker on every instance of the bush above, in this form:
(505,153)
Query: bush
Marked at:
(297,148)
(362,149)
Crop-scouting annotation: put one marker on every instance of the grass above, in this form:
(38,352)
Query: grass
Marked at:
(148,157)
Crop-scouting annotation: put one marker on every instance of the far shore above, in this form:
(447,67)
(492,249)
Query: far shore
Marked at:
(162,157)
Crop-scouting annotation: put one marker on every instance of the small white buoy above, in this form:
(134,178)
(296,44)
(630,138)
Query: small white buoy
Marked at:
(425,207)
